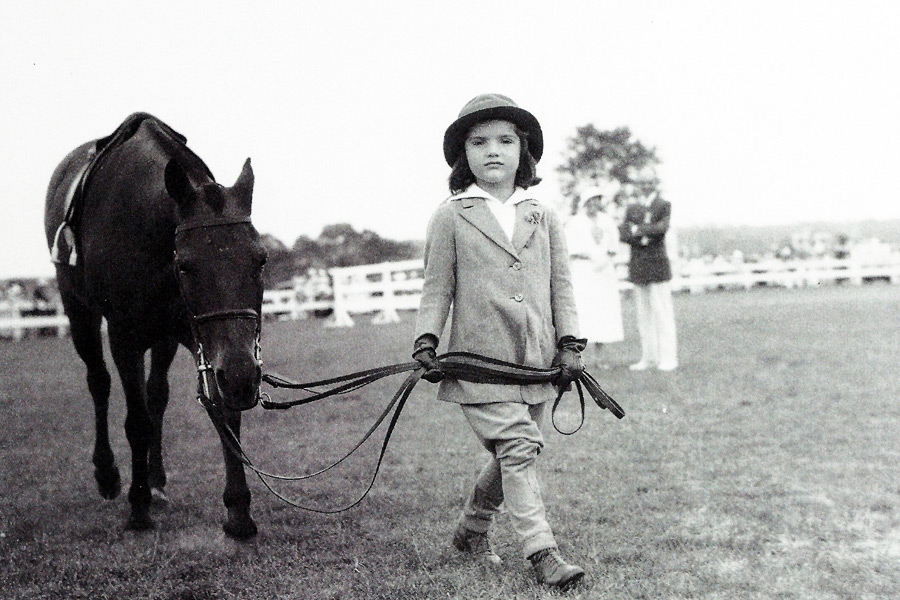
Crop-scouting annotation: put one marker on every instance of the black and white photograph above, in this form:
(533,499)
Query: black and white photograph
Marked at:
(449,300)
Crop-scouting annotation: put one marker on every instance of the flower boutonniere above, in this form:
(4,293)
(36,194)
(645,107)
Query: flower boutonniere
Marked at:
(533,217)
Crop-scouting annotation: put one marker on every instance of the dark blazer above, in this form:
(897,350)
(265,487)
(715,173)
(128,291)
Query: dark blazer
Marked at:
(644,230)
(509,300)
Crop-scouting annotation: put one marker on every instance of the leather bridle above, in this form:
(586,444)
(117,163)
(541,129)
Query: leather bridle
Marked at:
(204,368)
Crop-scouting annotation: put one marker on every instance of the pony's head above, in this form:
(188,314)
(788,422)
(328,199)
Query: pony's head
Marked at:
(219,262)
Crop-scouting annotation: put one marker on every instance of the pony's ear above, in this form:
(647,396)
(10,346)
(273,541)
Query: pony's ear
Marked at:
(243,187)
(177,184)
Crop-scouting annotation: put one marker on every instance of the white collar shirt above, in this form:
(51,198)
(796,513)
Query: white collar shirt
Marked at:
(504,212)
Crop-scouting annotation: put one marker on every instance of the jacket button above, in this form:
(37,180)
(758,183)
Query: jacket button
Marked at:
(518,297)
(517,266)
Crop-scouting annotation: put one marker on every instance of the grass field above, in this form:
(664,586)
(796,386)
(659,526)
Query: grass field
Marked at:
(767,466)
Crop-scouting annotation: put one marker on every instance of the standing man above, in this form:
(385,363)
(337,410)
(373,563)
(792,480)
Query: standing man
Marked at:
(644,230)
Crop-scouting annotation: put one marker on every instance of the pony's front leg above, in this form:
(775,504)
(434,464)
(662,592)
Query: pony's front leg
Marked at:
(239,524)
(161,356)
(138,430)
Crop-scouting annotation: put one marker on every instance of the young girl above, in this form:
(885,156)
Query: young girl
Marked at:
(499,259)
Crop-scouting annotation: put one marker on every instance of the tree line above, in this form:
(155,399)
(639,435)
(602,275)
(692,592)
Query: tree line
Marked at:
(338,245)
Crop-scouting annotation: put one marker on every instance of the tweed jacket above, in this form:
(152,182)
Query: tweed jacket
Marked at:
(511,299)
(649,262)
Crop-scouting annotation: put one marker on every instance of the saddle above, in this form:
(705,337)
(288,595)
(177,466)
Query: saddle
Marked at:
(65,241)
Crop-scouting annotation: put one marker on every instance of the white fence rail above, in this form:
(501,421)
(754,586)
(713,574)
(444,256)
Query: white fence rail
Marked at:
(383,289)
(700,277)
(19,316)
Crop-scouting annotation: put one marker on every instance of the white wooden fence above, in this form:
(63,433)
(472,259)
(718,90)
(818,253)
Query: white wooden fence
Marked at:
(699,277)
(381,290)
(385,288)
(19,316)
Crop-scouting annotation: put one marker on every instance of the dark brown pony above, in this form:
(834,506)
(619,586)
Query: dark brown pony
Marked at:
(167,256)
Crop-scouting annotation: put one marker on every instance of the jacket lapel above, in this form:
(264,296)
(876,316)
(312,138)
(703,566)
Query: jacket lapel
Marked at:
(528,216)
(476,212)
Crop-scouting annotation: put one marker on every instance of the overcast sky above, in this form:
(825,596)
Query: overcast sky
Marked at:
(771,111)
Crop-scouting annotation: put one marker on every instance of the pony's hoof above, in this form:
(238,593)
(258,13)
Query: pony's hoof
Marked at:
(158,497)
(109,484)
(240,529)
(140,524)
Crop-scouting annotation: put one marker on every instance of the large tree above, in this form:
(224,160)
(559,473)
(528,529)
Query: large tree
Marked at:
(593,153)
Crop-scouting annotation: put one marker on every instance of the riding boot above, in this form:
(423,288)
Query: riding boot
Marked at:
(477,544)
(552,570)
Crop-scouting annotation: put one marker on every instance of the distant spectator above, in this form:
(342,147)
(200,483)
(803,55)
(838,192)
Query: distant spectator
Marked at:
(592,236)
(785,252)
(842,247)
(644,230)
(15,292)
(39,298)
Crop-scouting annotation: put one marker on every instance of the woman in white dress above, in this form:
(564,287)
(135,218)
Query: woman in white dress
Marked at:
(593,238)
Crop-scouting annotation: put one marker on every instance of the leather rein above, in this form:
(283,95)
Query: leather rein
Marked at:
(204,368)
(461,365)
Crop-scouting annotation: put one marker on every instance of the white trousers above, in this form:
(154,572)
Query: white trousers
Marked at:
(656,323)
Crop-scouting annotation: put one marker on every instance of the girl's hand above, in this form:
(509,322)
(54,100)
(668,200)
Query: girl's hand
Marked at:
(424,352)
(568,358)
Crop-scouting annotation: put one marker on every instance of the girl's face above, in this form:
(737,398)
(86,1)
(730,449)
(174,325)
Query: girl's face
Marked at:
(492,150)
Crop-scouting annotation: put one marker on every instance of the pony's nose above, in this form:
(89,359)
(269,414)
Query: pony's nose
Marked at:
(238,385)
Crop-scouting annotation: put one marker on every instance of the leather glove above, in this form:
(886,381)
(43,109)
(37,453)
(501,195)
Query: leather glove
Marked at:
(568,358)
(424,352)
